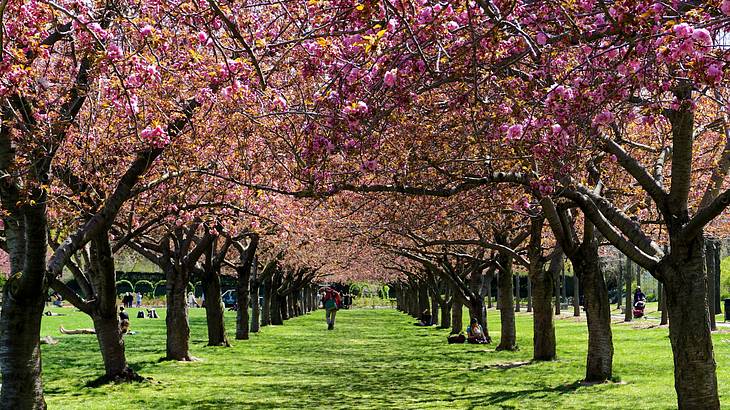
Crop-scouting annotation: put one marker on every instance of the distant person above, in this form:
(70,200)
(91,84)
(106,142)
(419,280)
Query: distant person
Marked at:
(123,320)
(639,295)
(331,302)
(191,300)
(139,299)
(475,333)
(127,300)
(59,300)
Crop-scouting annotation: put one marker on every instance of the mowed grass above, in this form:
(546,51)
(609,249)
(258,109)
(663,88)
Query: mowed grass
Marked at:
(374,359)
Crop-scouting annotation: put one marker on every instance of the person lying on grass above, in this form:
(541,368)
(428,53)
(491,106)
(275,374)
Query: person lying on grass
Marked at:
(475,333)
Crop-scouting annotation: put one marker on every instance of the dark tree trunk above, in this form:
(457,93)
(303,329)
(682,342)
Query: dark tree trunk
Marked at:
(718,261)
(685,285)
(284,307)
(104,314)
(291,302)
(628,274)
(247,273)
(517,293)
(423,300)
(20,354)
(489,291)
(576,295)
(665,314)
(445,315)
(214,310)
(599,361)
(529,295)
(710,262)
(434,309)
(543,324)
(508,335)
(255,306)
(111,344)
(266,309)
(275,309)
(456,318)
(178,329)
(540,287)
(556,285)
(619,284)
(243,293)
(476,306)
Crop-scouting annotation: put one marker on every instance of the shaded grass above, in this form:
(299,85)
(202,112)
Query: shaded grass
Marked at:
(374,359)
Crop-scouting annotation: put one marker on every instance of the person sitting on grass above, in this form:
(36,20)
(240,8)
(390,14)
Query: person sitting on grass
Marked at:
(123,320)
(425,319)
(476,333)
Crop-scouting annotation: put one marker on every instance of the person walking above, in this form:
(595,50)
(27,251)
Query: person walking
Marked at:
(139,299)
(331,302)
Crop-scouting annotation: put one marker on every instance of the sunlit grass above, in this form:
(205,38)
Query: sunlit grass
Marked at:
(375,358)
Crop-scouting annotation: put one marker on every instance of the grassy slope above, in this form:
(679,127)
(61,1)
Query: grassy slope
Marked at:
(374,359)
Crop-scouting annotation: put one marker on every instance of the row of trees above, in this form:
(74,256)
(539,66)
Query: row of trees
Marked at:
(441,141)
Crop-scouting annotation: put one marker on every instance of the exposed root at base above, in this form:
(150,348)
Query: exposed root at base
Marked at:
(127,376)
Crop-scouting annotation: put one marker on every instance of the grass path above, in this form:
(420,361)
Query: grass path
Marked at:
(374,359)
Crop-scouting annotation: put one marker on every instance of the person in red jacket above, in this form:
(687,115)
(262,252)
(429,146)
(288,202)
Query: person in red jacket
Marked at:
(332,303)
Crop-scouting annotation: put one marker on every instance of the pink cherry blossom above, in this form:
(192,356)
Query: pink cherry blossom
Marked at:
(515,131)
(389,78)
(702,36)
(146,30)
(603,118)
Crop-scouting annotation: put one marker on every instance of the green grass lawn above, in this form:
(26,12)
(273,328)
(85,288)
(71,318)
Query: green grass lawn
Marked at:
(373,359)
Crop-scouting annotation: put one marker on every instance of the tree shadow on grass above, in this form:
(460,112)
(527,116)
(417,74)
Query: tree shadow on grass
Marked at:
(503,396)
(503,366)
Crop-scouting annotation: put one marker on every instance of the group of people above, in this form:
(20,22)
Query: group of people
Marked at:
(129,298)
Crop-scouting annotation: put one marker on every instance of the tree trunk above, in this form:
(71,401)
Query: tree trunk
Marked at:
(178,329)
(266,309)
(20,355)
(275,309)
(557,295)
(489,291)
(517,293)
(434,310)
(214,310)
(665,314)
(576,296)
(456,312)
(111,344)
(543,323)
(423,300)
(508,337)
(291,305)
(685,284)
(104,314)
(599,361)
(710,262)
(718,261)
(619,284)
(529,295)
(629,305)
(255,307)
(284,307)
(243,294)
(445,315)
